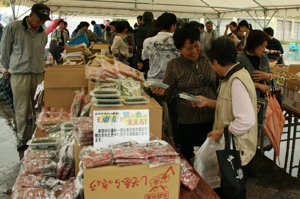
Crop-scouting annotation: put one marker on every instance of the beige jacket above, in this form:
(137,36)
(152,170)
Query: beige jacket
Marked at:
(247,142)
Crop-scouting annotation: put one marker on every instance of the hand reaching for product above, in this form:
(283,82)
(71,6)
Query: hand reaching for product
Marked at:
(158,91)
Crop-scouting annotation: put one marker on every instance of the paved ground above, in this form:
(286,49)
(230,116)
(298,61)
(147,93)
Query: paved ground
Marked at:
(270,181)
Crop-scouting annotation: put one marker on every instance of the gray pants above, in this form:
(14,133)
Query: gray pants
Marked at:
(23,88)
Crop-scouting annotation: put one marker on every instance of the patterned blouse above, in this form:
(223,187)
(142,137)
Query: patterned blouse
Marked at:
(180,77)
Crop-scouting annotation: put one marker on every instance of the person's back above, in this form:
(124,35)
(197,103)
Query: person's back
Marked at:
(160,49)
(97,29)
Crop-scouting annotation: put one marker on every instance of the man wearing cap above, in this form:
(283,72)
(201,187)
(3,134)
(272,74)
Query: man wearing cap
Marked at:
(23,50)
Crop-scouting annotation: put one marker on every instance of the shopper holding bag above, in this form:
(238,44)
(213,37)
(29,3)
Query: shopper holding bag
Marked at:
(236,105)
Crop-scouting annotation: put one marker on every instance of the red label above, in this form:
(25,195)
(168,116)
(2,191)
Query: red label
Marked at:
(160,195)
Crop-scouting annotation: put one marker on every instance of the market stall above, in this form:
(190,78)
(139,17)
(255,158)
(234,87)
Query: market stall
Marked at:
(99,135)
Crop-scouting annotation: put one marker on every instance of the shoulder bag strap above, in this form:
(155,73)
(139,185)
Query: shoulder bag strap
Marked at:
(200,76)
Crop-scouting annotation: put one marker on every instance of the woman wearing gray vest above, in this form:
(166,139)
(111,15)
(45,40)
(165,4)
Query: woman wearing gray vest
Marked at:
(236,105)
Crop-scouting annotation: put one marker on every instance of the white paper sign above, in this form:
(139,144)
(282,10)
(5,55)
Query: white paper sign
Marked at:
(113,126)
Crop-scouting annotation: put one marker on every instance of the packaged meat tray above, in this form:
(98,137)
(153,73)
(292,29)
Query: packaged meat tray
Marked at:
(33,193)
(189,180)
(190,97)
(45,143)
(157,148)
(43,166)
(95,157)
(136,100)
(155,84)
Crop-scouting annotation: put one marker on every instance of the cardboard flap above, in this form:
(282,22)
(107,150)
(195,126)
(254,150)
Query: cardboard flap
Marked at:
(72,49)
(292,84)
(100,46)
(294,68)
(65,77)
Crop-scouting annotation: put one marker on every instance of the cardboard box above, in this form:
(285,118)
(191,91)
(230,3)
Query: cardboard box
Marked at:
(155,114)
(132,182)
(60,84)
(291,95)
(294,68)
(72,49)
(99,46)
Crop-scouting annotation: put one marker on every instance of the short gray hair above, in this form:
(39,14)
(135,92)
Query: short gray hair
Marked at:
(209,22)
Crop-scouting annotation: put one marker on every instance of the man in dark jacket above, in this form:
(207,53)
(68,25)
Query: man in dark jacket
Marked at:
(140,36)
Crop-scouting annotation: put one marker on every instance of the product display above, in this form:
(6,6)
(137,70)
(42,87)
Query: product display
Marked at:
(95,157)
(129,71)
(47,120)
(190,97)
(162,160)
(67,126)
(135,151)
(77,103)
(130,88)
(185,165)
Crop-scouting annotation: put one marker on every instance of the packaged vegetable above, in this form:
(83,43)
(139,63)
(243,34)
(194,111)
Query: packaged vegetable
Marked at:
(77,103)
(163,160)
(136,151)
(86,110)
(136,101)
(44,143)
(67,126)
(79,120)
(129,71)
(155,84)
(157,148)
(35,181)
(66,161)
(40,154)
(47,120)
(39,166)
(55,110)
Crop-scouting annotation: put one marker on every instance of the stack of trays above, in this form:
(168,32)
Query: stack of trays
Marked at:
(190,97)
(106,98)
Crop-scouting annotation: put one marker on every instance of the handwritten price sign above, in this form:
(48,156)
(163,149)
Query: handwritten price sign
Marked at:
(120,125)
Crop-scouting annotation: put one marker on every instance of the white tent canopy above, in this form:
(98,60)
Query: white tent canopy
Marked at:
(182,8)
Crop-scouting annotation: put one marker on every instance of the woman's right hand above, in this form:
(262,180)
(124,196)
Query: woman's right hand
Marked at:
(158,91)
(264,88)
(205,102)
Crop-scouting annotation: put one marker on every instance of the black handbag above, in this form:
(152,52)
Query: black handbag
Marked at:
(232,178)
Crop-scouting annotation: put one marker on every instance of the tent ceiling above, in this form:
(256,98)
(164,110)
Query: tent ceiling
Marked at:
(182,8)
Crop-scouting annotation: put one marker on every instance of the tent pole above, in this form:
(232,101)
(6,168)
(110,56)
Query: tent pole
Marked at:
(254,19)
(271,18)
(12,5)
(283,29)
(210,20)
(265,19)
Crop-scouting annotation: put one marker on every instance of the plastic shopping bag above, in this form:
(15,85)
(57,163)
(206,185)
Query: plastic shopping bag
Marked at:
(206,162)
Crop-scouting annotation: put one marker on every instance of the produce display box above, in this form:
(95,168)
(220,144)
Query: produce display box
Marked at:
(132,182)
(155,114)
(98,46)
(291,94)
(60,84)
(72,49)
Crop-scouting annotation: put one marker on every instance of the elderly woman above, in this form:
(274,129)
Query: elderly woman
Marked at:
(255,61)
(183,74)
(236,105)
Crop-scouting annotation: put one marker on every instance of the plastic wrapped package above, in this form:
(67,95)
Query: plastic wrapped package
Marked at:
(74,189)
(83,139)
(95,157)
(92,72)
(155,84)
(77,103)
(189,180)
(129,71)
(44,143)
(54,129)
(67,126)
(130,88)
(35,181)
(108,70)
(79,120)
(86,101)
(55,110)
(86,110)
(185,165)
(190,97)
(135,151)
(136,100)
(33,193)
(108,105)
(131,161)
(47,120)
(66,161)
(117,100)
(40,154)
(66,137)
(162,160)
(153,137)
(157,148)
(85,132)
(39,166)
(105,93)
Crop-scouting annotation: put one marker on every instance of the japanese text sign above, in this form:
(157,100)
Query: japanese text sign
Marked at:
(120,125)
